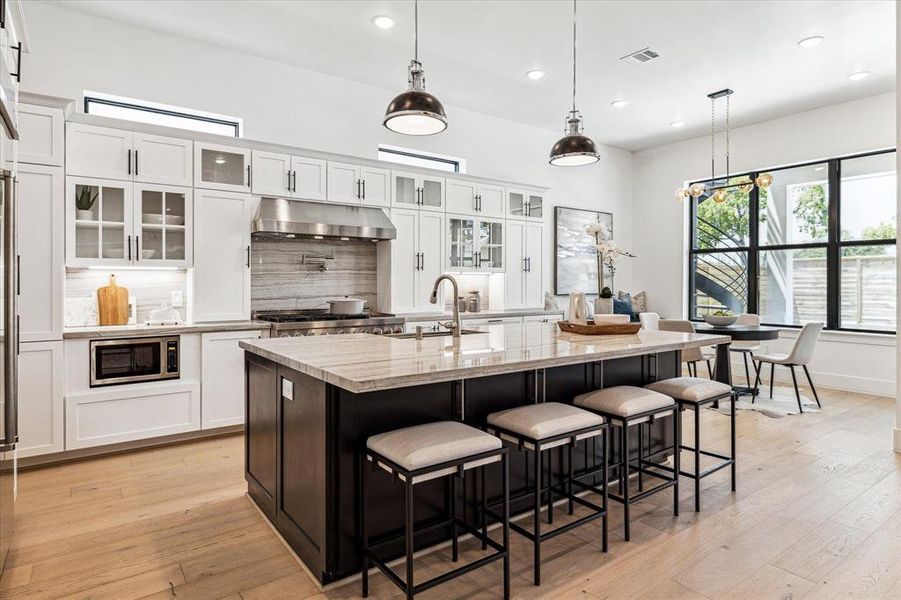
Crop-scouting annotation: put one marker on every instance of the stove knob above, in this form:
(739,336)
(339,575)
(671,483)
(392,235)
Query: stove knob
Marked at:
(398,330)
(377,331)
(286,334)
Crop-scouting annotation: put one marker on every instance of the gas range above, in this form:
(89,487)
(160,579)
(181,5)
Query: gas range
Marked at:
(305,322)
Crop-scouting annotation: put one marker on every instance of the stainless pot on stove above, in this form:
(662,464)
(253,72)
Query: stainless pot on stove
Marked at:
(346,306)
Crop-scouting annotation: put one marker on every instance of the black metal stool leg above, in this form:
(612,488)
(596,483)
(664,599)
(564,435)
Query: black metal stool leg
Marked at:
(569,480)
(677,436)
(506,526)
(550,489)
(732,433)
(536,521)
(640,456)
(455,546)
(747,370)
(604,528)
(364,542)
(758,367)
(408,517)
(697,459)
(484,509)
(709,369)
(625,477)
(797,393)
(812,388)
(772,378)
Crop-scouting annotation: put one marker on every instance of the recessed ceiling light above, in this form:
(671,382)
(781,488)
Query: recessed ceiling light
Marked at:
(858,75)
(384,21)
(677,124)
(811,42)
(535,74)
(619,103)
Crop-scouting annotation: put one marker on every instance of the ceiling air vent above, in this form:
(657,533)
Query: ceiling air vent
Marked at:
(642,56)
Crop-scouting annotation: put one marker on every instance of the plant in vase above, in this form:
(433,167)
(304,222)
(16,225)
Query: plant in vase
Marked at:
(85,198)
(608,253)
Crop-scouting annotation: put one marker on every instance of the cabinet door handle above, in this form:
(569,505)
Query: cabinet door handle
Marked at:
(289,181)
(137,248)
(18,73)
(136,162)
(248,175)
(18,274)
(364,188)
(419,196)
(248,256)
(528,209)
(129,248)
(294,178)
(129,160)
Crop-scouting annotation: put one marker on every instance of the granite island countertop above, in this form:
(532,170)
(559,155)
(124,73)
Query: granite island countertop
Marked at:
(142,329)
(362,362)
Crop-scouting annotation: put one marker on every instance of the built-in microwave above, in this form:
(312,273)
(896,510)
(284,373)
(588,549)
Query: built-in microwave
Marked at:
(134,360)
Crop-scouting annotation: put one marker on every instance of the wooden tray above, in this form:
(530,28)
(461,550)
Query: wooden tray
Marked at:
(591,329)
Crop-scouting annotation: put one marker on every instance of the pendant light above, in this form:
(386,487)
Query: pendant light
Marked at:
(415,112)
(574,148)
(719,193)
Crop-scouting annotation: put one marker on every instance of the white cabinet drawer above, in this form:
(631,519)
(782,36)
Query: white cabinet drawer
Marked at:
(131,413)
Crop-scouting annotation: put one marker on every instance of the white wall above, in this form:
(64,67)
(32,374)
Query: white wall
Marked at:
(661,223)
(284,104)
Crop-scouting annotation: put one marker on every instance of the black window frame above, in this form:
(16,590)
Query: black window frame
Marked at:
(833,245)
(429,157)
(88,100)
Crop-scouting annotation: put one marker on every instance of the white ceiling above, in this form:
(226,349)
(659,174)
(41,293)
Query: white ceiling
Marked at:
(476,53)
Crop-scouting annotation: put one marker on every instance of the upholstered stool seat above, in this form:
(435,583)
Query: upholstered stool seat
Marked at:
(431,444)
(625,406)
(691,389)
(693,393)
(544,420)
(413,455)
(623,400)
(538,428)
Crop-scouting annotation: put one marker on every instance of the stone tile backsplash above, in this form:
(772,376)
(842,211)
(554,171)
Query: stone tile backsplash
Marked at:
(150,288)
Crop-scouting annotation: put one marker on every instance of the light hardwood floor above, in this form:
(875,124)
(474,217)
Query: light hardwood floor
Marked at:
(817,515)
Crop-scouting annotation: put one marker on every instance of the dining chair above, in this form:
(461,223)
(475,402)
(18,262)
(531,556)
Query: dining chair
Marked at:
(649,321)
(747,348)
(690,356)
(799,356)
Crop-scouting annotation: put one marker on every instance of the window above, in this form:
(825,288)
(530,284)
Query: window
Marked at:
(820,247)
(117,107)
(419,158)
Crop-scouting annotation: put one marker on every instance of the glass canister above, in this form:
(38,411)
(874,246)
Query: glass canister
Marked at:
(474,303)
(461,304)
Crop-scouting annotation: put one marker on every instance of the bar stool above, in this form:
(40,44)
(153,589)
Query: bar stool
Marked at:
(538,428)
(624,406)
(695,393)
(422,453)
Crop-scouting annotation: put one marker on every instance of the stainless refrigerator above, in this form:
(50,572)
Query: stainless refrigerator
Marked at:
(9,341)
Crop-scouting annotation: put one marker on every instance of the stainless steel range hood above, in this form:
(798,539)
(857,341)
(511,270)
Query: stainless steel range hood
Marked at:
(283,218)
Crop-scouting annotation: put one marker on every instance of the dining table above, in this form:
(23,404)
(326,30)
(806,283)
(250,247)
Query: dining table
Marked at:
(738,333)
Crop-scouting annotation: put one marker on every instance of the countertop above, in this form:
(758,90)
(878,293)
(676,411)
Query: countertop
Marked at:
(488,314)
(361,362)
(112,331)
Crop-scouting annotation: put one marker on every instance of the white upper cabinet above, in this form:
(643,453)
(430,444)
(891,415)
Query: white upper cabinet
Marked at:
(525,205)
(98,152)
(163,160)
(225,168)
(376,186)
(222,266)
(42,252)
(412,190)
(126,156)
(163,227)
(475,244)
(344,183)
(483,199)
(308,178)
(271,174)
(41,135)
(418,249)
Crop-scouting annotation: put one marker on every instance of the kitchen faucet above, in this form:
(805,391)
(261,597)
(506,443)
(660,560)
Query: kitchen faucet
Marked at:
(453,325)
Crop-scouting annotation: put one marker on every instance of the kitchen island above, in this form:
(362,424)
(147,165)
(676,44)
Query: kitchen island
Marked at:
(312,402)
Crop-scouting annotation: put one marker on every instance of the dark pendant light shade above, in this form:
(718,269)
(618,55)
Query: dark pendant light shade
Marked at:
(574,149)
(415,112)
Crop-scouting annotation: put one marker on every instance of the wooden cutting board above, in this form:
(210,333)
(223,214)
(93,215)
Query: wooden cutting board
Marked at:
(112,303)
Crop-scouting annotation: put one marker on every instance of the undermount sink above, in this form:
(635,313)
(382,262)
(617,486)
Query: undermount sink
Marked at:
(431,334)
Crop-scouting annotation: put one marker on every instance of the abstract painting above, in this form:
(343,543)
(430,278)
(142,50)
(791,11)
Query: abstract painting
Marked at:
(575,257)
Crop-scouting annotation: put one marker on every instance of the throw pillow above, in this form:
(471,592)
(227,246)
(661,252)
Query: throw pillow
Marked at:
(640,302)
(622,307)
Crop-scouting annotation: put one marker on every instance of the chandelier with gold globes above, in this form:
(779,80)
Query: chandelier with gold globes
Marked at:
(719,192)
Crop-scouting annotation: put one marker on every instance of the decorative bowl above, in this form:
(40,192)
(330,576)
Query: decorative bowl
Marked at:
(720,321)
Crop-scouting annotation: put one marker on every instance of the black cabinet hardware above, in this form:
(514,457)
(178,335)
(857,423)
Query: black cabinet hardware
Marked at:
(129,160)
(18,73)
(248,175)
(289,181)
(137,248)
(18,274)
(136,162)
(248,257)
(129,248)
(364,188)
(294,184)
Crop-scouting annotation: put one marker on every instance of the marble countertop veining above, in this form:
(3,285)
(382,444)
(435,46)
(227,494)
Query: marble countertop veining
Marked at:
(361,362)
(140,329)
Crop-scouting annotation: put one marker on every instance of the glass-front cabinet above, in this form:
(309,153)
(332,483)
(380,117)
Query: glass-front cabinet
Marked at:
(226,168)
(112,223)
(523,204)
(409,190)
(475,244)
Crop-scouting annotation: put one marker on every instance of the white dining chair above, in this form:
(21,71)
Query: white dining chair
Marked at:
(747,348)
(799,356)
(649,321)
(690,356)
